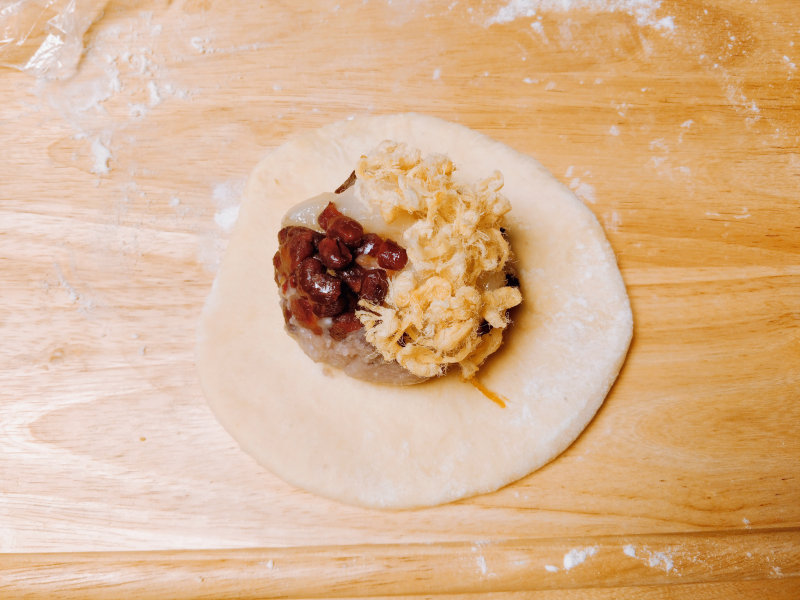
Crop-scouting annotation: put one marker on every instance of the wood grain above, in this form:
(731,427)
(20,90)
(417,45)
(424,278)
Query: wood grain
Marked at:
(683,141)
(444,568)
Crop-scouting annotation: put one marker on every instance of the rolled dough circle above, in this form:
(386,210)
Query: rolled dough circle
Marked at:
(402,447)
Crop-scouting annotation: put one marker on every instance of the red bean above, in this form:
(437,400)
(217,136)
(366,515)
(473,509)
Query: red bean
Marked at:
(374,286)
(344,324)
(346,229)
(352,277)
(370,244)
(331,308)
(308,267)
(352,303)
(291,230)
(327,216)
(324,288)
(392,256)
(333,253)
(298,244)
(339,226)
(301,310)
(316,283)
(283,234)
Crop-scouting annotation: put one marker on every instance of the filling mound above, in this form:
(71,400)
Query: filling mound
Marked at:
(438,296)
(324,275)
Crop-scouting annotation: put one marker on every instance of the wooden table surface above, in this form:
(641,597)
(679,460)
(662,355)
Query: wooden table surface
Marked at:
(678,123)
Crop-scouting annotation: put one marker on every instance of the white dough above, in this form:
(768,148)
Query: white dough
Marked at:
(399,447)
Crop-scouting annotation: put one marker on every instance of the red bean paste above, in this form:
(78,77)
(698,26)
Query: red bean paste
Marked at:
(322,276)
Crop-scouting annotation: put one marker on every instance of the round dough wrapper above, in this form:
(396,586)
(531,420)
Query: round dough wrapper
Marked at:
(403,447)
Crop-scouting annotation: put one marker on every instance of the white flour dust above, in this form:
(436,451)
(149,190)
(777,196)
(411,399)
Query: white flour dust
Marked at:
(658,559)
(482,565)
(101,155)
(612,221)
(84,303)
(203,45)
(577,556)
(226,218)
(583,190)
(655,560)
(227,197)
(480,559)
(539,28)
(644,11)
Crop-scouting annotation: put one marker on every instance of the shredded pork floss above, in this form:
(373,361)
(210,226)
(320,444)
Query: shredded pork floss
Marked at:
(431,315)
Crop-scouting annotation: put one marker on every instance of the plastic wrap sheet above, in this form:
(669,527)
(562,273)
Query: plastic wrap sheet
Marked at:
(45,37)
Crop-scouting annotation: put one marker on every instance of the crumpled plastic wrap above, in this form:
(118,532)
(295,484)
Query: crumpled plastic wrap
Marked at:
(45,37)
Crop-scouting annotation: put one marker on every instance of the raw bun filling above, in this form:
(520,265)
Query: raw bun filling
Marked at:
(321,277)
(439,297)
